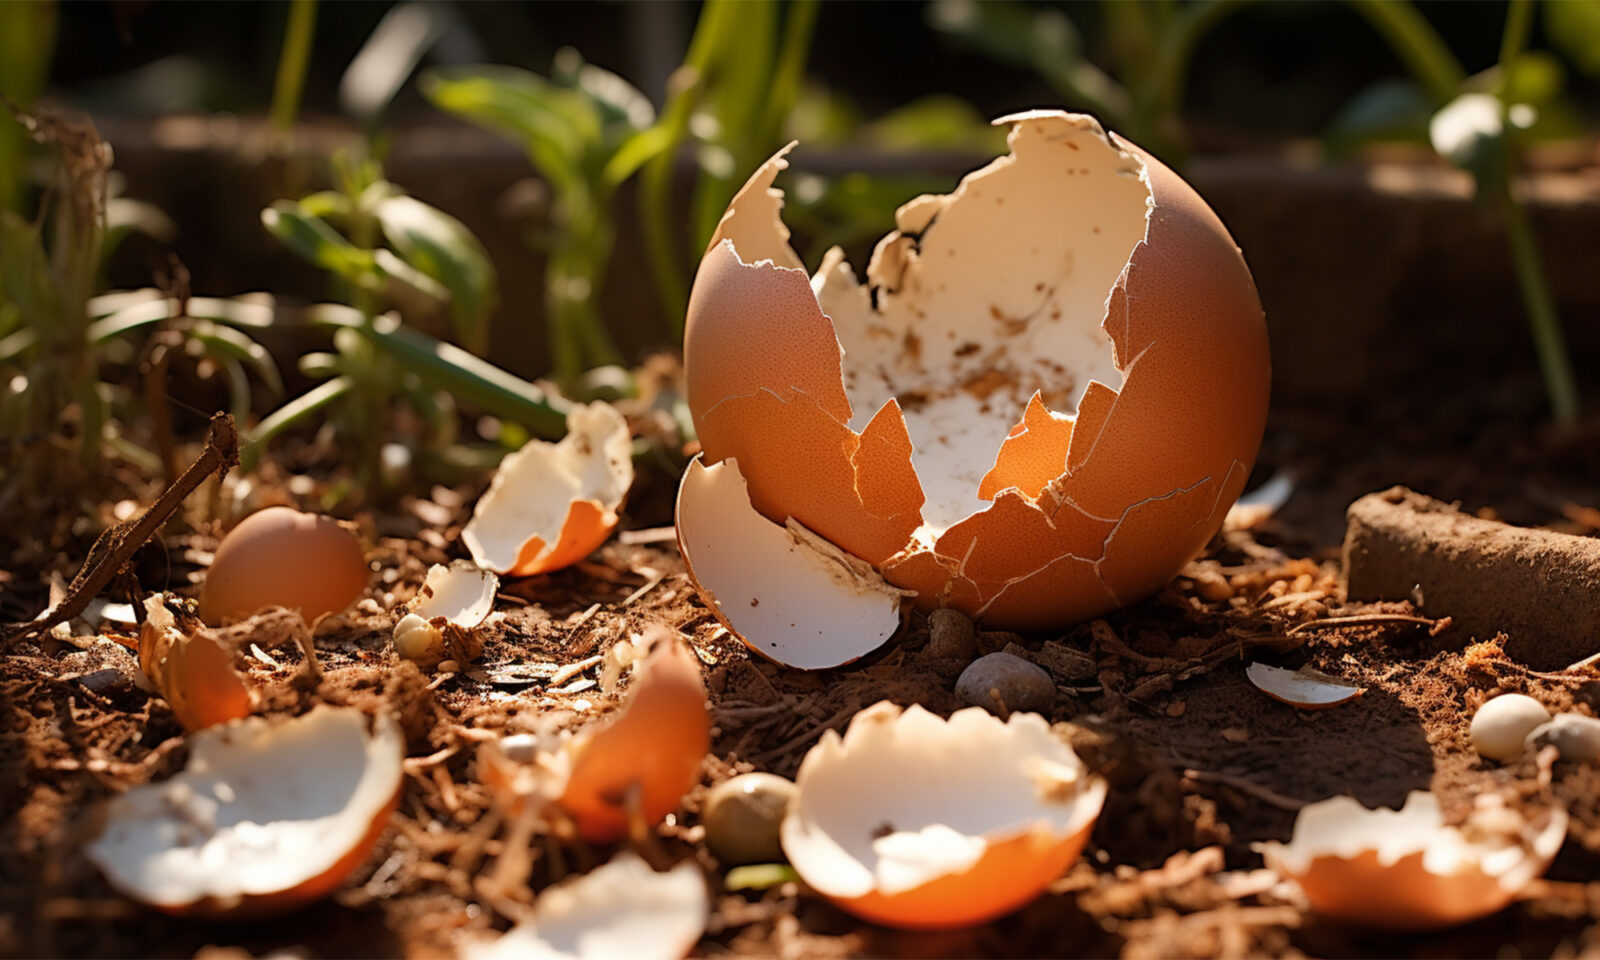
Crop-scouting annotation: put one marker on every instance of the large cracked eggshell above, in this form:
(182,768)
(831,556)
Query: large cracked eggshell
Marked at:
(552,504)
(910,820)
(280,557)
(266,817)
(621,909)
(1038,406)
(1405,869)
(788,594)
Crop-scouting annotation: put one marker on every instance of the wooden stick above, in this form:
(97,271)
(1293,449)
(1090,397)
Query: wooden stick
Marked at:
(112,551)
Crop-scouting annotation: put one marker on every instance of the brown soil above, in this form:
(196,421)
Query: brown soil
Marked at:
(1200,763)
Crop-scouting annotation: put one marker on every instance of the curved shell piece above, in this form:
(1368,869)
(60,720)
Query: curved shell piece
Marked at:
(1407,870)
(913,821)
(621,909)
(462,593)
(649,753)
(1071,328)
(265,817)
(192,669)
(552,504)
(788,594)
(1304,688)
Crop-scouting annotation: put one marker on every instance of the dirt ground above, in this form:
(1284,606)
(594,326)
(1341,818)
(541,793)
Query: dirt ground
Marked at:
(1200,763)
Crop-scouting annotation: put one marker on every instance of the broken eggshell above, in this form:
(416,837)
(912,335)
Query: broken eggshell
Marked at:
(636,764)
(279,557)
(552,504)
(1038,407)
(913,821)
(454,599)
(267,816)
(789,595)
(191,669)
(621,909)
(1305,688)
(1407,870)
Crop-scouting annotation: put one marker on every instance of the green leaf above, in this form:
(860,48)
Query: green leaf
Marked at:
(301,408)
(936,122)
(1573,27)
(636,151)
(220,341)
(443,248)
(312,238)
(558,127)
(1388,110)
(761,876)
(620,102)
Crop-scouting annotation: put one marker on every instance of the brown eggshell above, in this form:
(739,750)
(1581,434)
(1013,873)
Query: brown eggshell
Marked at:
(282,557)
(193,670)
(651,750)
(1034,454)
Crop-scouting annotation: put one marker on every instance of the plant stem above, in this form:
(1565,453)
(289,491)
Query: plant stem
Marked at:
(1519,21)
(1417,44)
(296,54)
(1548,339)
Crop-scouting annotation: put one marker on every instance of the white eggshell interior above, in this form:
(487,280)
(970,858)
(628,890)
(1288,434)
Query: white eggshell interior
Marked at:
(1300,686)
(905,798)
(462,593)
(987,295)
(622,909)
(792,596)
(260,808)
(534,487)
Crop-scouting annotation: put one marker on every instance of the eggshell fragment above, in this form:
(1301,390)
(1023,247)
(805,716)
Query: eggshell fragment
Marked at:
(1038,406)
(1305,688)
(621,909)
(191,669)
(787,593)
(282,557)
(452,602)
(634,766)
(552,504)
(913,821)
(267,816)
(1407,870)
(1503,723)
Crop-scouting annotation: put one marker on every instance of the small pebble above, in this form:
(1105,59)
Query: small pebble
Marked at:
(951,636)
(742,817)
(1502,724)
(1575,735)
(1020,685)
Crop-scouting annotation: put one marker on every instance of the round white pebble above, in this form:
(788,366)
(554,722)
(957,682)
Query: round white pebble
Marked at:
(1501,725)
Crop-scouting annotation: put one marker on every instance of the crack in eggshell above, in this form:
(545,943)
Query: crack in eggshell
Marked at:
(972,350)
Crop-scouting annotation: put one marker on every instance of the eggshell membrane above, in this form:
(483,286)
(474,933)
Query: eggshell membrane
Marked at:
(792,598)
(1299,689)
(1406,870)
(621,909)
(582,479)
(655,744)
(321,785)
(983,815)
(192,669)
(1154,462)
(282,557)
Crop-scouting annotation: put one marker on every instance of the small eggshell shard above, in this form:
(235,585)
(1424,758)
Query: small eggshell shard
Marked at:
(453,601)
(1501,726)
(191,669)
(913,821)
(1305,688)
(787,593)
(265,817)
(743,815)
(1407,870)
(1038,405)
(621,909)
(552,504)
(285,558)
(1575,737)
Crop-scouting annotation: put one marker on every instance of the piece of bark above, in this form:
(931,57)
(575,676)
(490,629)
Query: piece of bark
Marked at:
(1541,589)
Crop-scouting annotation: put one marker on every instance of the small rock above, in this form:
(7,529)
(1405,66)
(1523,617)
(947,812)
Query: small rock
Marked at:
(1575,735)
(1001,683)
(951,636)
(1069,665)
(1503,723)
(742,817)
(992,641)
